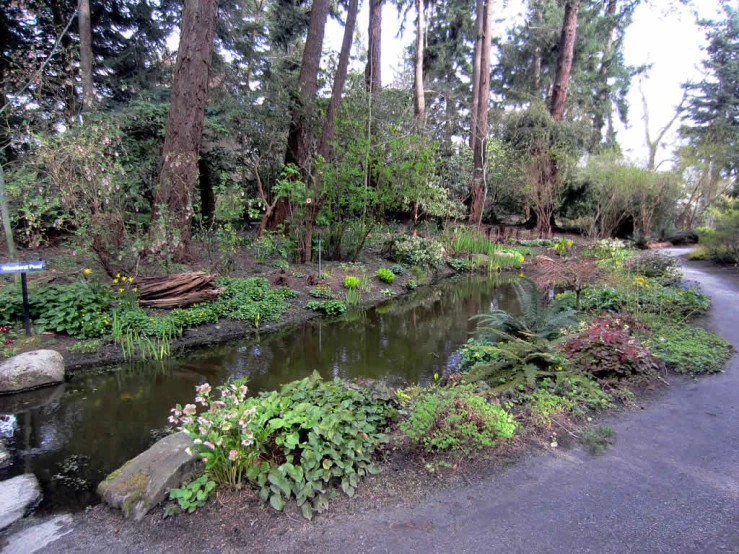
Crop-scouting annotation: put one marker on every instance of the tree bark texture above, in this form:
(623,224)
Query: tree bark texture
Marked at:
(88,87)
(299,136)
(564,60)
(419,102)
(480,129)
(476,53)
(178,173)
(329,127)
(373,69)
(601,103)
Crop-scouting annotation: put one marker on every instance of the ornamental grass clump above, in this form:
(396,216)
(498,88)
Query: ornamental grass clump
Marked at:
(297,443)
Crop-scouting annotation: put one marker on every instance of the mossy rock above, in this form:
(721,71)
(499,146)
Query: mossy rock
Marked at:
(142,483)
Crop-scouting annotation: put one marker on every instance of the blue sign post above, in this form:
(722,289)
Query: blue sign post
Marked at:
(23,268)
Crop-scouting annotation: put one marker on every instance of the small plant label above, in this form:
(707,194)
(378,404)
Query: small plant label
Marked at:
(22,267)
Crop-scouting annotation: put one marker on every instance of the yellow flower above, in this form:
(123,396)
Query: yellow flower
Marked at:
(117,275)
(87,271)
(115,281)
(135,289)
(121,290)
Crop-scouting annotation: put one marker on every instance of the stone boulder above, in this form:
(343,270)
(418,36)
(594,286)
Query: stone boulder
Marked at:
(18,496)
(31,370)
(142,483)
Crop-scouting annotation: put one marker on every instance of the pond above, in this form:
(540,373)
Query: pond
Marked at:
(73,435)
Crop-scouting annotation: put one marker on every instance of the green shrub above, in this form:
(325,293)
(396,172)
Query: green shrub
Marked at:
(418,273)
(425,252)
(397,269)
(411,285)
(456,419)
(80,309)
(280,264)
(385,275)
(458,264)
(297,443)
(328,307)
(351,282)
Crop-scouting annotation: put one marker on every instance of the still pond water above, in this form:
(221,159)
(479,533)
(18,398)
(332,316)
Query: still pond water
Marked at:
(72,435)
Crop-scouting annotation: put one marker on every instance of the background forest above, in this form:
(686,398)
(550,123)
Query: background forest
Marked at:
(140,154)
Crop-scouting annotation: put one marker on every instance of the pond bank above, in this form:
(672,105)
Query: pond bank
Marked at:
(668,485)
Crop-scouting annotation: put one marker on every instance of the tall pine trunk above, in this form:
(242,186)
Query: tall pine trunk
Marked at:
(373,69)
(564,60)
(601,101)
(419,102)
(305,246)
(481,91)
(178,173)
(83,19)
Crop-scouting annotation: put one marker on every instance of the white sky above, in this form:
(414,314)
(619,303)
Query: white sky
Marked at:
(670,40)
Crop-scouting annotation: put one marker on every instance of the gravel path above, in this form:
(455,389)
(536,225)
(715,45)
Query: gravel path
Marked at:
(670,484)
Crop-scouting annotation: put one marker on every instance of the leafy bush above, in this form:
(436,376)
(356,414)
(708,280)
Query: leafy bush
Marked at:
(80,309)
(425,252)
(351,282)
(328,307)
(686,348)
(477,351)
(296,443)
(458,264)
(411,285)
(280,264)
(385,275)
(606,348)
(458,419)
(397,269)
(665,269)
(252,299)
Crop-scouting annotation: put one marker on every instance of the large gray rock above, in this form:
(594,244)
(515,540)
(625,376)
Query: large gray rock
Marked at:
(31,370)
(18,496)
(142,483)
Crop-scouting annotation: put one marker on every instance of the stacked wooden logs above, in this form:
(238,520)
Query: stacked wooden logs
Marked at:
(176,291)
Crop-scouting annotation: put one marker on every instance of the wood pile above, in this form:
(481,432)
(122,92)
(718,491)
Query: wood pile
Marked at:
(177,291)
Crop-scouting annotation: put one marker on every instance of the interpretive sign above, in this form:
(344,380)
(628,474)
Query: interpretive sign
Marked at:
(23,268)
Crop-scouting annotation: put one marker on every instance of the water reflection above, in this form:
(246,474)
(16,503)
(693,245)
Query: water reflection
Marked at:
(109,418)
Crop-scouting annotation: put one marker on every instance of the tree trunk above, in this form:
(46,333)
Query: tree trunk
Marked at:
(419,103)
(69,96)
(373,69)
(477,52)
(536,69)
(178,173)
(299,137)
(83,19)
(329,127)
(477,191)
(601,103)
(564,60)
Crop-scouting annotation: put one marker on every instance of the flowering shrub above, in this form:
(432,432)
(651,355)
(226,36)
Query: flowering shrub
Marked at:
(417,251)
(606,348)
(295,443)
(562,246)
